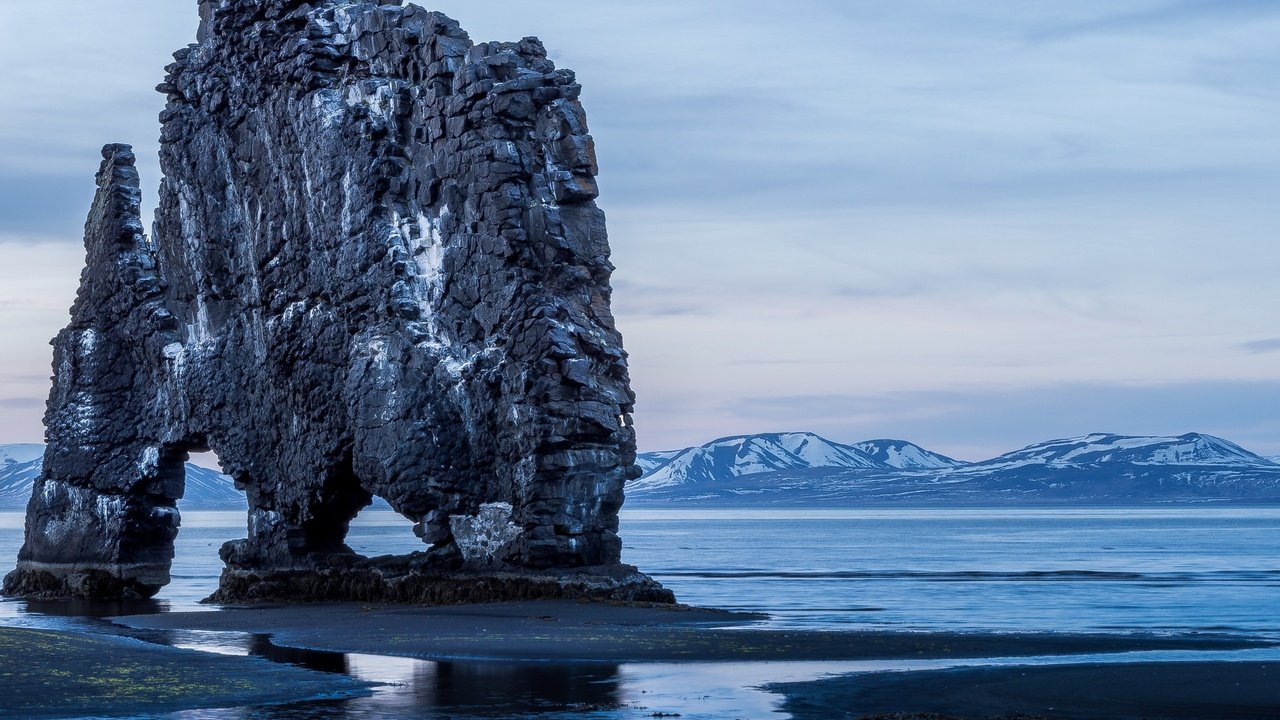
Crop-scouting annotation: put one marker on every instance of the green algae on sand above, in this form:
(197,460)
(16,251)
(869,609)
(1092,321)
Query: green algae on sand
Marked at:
(55,674)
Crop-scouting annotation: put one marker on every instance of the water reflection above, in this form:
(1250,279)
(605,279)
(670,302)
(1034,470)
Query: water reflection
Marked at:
(92,608)
(421,688)
(479,687)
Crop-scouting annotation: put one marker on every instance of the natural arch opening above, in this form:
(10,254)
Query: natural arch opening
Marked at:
(211,510)
(207,488)
(378,530)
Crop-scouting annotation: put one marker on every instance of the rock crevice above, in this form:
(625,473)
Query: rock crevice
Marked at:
(377,268)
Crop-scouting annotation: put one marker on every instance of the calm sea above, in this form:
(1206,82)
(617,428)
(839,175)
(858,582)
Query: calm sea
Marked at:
(1113,570)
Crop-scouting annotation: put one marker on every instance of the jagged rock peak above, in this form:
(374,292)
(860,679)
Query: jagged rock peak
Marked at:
(377,269)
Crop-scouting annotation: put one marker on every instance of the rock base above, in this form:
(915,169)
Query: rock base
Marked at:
(395,580)
(46,581)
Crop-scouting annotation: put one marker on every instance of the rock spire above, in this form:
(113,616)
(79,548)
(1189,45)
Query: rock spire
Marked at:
(377,268)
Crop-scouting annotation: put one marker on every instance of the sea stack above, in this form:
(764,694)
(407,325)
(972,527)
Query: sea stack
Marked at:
(377,268)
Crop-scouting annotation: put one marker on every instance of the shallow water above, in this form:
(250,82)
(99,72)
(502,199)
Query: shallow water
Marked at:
(1114,570)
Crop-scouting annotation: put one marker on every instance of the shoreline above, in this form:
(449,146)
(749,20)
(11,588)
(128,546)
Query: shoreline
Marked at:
(567,632)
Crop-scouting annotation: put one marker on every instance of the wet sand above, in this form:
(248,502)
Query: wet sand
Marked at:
(566,631)
(1131,691)
(60,674)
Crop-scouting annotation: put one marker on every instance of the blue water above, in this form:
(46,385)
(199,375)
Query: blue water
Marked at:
(1192,569)
(1095,570)
(1165,570)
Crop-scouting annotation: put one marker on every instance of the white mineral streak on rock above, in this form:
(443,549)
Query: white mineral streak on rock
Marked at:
(83,413)
(150,462)
(262,521)
(328,102)
(428,249)
(109,507)
(480,537)
(348,190)
(379,99)
(88,343)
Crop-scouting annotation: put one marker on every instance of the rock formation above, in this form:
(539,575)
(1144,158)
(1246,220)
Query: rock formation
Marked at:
(377,268)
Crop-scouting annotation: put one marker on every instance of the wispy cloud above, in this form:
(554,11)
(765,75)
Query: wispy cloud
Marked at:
(21,403)
(1163,17)
(641,300)
(1261,346)
(46,205)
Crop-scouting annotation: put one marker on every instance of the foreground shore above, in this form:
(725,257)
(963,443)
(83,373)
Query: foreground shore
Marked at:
(567,631)
(67,674)
(60,674)
(1122,691)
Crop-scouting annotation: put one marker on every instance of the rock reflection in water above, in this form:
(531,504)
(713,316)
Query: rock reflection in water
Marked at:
(426,689)
(91,608)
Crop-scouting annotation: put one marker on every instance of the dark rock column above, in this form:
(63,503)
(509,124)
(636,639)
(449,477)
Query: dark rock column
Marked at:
(387,275)
(102,520)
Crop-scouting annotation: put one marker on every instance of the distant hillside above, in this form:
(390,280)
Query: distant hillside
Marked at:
(803,468)
(20,465)
(719,461)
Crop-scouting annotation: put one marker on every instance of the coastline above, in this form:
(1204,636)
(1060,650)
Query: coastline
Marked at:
(567,631)
(562,634)
(712,664)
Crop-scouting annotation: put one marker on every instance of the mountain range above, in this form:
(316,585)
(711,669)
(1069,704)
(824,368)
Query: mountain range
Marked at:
(805,469)
(20,465)
(802,468)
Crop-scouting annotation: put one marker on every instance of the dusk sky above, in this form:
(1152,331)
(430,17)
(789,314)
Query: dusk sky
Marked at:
(968,224)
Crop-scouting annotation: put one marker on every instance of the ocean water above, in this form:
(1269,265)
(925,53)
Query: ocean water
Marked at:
(1065,570)
(1161,570)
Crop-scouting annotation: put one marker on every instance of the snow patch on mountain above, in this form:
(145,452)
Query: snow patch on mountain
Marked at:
(1189,449)
(649,462)
(744,455)
(904,455)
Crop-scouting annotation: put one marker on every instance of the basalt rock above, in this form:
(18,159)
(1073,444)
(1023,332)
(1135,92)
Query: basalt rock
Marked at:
(377,268)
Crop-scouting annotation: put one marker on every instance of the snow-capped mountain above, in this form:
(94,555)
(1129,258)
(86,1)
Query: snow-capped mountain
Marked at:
(1097,469)
(649,462)
(731,457)
(20,465)
(1189,449)
(903,455)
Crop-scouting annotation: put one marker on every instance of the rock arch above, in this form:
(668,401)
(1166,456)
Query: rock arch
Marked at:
(377,267)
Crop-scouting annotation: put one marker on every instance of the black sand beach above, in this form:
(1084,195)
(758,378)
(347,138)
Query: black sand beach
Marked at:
(60,674)
(572,632)
(1130,691)
(568,631)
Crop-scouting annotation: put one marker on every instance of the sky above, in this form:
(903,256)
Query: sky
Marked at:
(967,224)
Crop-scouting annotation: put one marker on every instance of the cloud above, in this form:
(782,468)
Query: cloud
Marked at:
(21,403)
(1261,346)
(49,206)
(1164,16)
(639,300)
